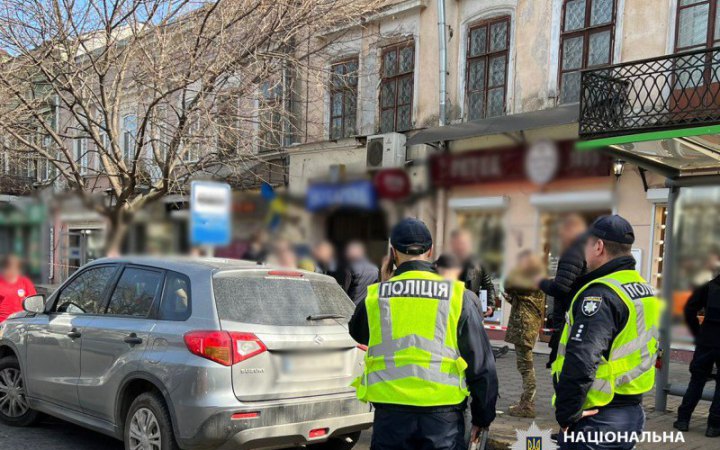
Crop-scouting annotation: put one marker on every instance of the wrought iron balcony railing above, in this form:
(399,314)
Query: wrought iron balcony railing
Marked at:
(674,91)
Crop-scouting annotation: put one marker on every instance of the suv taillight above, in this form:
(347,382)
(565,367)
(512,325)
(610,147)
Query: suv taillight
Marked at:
(224,347)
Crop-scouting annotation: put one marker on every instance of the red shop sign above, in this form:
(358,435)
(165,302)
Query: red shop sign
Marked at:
(393,184)
(540,163)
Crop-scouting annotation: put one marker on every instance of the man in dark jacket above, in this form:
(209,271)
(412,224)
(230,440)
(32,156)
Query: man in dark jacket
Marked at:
(475,276)
(403,426)
(599,316)
(707,355)
(360,272)
(570,266)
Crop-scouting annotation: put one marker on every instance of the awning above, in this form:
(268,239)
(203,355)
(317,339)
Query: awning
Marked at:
(688,152)
(562,115)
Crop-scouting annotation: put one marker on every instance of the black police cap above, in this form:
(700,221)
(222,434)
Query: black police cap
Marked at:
(613,228)
(411,237)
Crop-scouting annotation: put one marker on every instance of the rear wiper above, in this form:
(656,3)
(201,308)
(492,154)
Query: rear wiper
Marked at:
(325,316)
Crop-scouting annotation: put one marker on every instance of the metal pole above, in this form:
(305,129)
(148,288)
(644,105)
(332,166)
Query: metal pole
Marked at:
(441,197)
(442,56)
(661,383)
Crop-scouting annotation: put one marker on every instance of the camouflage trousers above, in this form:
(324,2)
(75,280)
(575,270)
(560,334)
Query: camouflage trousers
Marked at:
(527,371)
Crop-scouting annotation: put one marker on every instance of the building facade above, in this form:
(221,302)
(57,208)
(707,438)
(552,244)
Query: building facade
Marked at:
(513,77)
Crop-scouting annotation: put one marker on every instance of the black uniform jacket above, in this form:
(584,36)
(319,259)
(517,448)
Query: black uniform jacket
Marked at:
(591,337)
(474,347)
(707,334)
(562,288)
(477,278)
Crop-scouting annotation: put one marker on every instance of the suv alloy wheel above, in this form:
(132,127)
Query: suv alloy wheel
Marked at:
(148,425)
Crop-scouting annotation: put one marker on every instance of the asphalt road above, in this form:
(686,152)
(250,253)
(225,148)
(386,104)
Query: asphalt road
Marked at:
(54,434)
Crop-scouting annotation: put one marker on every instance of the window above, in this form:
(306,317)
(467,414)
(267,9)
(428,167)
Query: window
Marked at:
(128,137)
(487,62)
(396,88)
(175,303)
(85,293)
(697,24)
(587,36)
(278,301)
(80,154)
(135,292)
(270,117)
(192,142)
(343,99)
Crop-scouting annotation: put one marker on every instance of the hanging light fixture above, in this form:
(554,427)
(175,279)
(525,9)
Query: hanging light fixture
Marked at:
(618,167)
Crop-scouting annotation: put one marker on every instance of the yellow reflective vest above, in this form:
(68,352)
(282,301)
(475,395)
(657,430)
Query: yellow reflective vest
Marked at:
(412,356)
(630,367)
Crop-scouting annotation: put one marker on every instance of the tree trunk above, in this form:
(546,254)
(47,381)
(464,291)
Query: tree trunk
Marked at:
(118,226)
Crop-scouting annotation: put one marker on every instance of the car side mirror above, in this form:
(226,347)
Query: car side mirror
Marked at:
(34,304)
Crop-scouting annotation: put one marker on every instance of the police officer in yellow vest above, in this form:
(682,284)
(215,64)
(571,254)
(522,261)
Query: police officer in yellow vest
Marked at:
(427,350)
(607,352)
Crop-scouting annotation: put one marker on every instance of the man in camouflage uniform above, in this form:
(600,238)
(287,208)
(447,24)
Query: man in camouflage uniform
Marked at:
(526,318)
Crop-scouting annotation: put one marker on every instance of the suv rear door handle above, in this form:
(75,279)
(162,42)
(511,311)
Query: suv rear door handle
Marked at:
(133,339)
(74,334)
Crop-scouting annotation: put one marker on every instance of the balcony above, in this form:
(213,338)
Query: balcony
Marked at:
(666,93)
(15,184)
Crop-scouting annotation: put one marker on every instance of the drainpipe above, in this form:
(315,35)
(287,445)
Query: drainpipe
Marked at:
(442,56)
(441,197)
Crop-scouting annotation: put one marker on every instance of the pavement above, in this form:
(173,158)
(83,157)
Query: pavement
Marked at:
(54,434)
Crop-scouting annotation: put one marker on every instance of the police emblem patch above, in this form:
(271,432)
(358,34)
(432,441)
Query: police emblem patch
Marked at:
(533,443)
(591,305)
(534,439)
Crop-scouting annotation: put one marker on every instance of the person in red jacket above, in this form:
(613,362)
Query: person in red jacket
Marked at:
(14,287)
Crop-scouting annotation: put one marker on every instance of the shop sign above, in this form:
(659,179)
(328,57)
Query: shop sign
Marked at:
(392,184)
(355,194)
(540,164)
(210,213)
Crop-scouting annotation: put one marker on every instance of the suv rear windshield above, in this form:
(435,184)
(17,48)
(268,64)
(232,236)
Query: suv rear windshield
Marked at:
(270,300)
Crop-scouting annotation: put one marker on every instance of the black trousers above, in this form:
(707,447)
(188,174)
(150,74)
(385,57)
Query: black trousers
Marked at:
(700,370)
(400,430)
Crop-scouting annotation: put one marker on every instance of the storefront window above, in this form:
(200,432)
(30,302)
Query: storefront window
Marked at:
(658,245)
(697,237)
(550,232)
(696,252)
(488,235)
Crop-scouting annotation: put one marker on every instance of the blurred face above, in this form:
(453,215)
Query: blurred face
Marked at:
(595,255)
(285,256)
(355,251)
(572,227)
(461,245)
(324,252)
(523,261)
(12,268)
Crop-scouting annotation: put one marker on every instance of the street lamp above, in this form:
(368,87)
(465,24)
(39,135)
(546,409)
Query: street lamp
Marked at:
(618,168)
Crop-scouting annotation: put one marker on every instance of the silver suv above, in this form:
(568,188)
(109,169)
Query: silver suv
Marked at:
(188,353)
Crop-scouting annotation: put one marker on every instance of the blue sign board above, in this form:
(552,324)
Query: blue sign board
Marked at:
(355,194)
(210,213)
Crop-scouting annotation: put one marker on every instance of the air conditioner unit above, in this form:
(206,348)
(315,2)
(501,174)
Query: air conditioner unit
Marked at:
(385,150)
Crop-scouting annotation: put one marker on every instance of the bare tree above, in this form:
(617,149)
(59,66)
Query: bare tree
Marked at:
(126,100)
